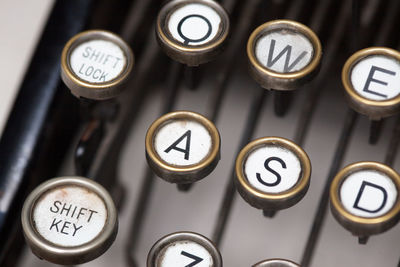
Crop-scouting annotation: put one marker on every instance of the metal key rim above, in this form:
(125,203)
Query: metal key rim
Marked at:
(188,54)
(263,200)
(163,168)
(74,254)
(276,78)
(372,108)
(98,91)
(360,225)
(276,263)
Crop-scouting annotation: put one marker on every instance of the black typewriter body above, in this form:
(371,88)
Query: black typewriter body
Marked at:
(47,124)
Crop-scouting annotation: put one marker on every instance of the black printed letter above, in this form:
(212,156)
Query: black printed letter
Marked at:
(360,192)
(288,51)
(371,79)
(174,145)
(278,177)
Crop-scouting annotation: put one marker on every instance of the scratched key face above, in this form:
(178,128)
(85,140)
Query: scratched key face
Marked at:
(272,169)
(70,216)
(376,77)
(184,254)
(183,143)
(284,51)
(368,193)
(194,24)
(97,61)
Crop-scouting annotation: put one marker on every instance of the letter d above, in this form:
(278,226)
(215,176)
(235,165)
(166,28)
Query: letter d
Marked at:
(361,191)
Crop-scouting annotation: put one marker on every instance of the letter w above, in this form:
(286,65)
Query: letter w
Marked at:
(288,51)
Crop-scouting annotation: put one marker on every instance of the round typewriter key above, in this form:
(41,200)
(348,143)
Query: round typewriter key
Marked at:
(184,249)
(94,64)
(69,220)
(182,147)
(371,78)
(192,32)
(283,54)
(276,263)
(272,173)
(364,198)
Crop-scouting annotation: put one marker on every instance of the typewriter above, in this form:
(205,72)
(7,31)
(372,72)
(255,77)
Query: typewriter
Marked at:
(48,132)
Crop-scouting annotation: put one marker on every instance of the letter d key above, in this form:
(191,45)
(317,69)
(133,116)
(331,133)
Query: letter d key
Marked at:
(364,198)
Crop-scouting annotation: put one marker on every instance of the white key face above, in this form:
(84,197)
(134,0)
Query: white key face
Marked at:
(194,24)
(69,216)
(376,77)
(97,61)
(182,142)
(272,169)
(284,51)
(184,253)
(368,193)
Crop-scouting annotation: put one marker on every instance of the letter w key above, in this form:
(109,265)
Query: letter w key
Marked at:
(196,259)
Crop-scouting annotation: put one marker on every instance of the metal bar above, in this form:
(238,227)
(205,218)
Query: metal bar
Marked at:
(192,76)
(229,195)
(313,95)
(230,60)
(393,144)
(319,217)
(355,24)
(282,101)
(149,177)
(375,131)
(391,14)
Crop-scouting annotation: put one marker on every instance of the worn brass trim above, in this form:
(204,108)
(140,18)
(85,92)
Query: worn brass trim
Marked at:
(373,108)
(182,174)
(272,201)
(362,226)
(189,54)
(75,254)
(183,236)
(270,79)
(96,91)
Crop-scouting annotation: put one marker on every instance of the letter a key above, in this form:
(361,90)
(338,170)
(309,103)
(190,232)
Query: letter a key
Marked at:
(182,147)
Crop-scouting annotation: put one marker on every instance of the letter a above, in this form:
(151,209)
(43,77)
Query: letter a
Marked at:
(174,146)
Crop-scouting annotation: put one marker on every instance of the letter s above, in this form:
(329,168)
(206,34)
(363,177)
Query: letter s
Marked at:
(278,177)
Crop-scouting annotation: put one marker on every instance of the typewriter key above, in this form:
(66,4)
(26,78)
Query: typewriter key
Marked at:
(371,79)
(276,263)
(283,55)
(182,147)
(272,173)
(364,198)
(69,220)
(192,32)
(94,64)
(184,249)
